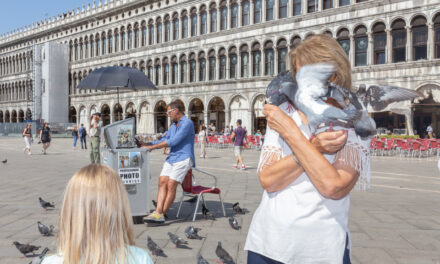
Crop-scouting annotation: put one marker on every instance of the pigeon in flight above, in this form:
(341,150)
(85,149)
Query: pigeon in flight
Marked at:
(201,260)
(192,232)
(153,247)
(44,230)
(234,223)
(223,255)
(25,248)
(39,259)
(238,210)
(5,161)
(177,240)
(206,213)
(45,204)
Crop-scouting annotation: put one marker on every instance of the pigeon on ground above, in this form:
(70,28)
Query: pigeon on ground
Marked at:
(39,259)
(44,230)
(238,210)
(191,232)
(223,255)
(25,248)
(177,240)
(201,260)
(4,161)
(206,213)
(45,204)
(234,223)
(153,247)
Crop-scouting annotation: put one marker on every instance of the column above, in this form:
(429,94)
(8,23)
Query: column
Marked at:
(389,47)
(430,41)
(275,61)
(251,12)
(228,67)
(352,2)
(409,56)
(276,9)
(304,7)
(227,117)
(290,8)
(239,15)
(370,50)
(187,70)
(320,8)
(219,21)
(335,3)
(208,20)
(263,11)
(217,68)
(409,122)
(205,116)
(352,50)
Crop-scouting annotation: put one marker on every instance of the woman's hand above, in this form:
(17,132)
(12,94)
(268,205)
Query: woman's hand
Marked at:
(330,141)
(277,119)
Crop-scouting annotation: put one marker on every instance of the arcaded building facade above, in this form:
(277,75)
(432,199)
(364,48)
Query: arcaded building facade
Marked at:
(217,57)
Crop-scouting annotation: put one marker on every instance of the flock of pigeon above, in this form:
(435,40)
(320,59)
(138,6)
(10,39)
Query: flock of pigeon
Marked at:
(191,232)
(44,230)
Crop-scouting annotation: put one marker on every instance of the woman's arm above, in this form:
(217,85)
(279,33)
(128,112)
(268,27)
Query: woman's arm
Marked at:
(331,181)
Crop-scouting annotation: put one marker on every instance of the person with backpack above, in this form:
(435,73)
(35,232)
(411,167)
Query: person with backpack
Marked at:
(82,136)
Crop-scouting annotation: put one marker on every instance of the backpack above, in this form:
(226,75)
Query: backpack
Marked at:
(83,132)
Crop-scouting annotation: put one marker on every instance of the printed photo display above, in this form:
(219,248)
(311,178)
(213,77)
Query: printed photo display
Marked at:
(129,167)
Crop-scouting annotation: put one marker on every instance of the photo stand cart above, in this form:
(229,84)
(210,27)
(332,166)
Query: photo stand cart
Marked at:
(130,162)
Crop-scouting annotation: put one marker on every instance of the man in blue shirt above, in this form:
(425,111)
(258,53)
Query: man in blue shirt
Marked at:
(180,139)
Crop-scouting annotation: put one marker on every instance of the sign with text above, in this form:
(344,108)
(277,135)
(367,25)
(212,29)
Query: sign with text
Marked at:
(130,175)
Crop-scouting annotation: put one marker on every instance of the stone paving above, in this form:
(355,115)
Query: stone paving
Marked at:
(396,221)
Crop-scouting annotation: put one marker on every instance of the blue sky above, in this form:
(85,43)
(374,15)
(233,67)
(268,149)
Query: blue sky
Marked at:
(17,13)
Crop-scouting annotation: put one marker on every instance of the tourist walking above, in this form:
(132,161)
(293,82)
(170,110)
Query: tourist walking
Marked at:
(180,139)
(83,136)
(202,137)
(28,140)
(95,132)
(239,137)
(45,137)
(75,135)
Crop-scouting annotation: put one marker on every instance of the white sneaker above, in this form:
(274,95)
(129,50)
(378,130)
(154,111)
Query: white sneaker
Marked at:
(29,153)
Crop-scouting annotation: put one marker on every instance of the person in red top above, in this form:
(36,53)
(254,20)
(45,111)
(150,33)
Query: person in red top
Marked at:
(239,137)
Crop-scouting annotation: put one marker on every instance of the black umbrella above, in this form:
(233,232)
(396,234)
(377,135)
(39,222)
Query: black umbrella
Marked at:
(114,78)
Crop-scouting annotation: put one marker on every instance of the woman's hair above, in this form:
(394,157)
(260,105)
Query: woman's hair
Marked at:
(95,222)
(322,48)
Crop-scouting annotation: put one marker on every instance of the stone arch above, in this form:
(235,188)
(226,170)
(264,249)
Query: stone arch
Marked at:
(145,124)
(20,116)
(7,117)
(130,110)
(258,119)
(14,116)
(72,114)
(117,111)
(105,114)
(196,110)
(216,112)
(83,117)
(239,109)
(160,116)
(427,110)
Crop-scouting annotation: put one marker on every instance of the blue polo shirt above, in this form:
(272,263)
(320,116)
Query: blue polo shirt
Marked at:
(180,139)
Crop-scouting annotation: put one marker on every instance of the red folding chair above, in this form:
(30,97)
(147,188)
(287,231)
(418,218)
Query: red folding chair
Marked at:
(189,188)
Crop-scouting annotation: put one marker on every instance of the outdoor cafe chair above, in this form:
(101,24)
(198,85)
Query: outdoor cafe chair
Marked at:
(189,188)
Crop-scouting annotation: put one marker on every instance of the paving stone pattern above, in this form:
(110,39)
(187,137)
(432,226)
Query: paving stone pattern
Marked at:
(396,221)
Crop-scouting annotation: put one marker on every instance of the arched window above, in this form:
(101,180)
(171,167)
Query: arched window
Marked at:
(202,67)
(222,58)
(116,40)
(282,54)
(130,37)
(244,57)
(269,9)
(192,67)
(256,59)
(327,4)
(344,2)
(142,67)
(167,29)
(257,11)
(380,43)
(399,40)
(75,52)
(419,37)
(151,32)
(223,16)
(175,27)
(150,70)
(122,39)
(361,45)
(97,45)
(268,58)
(92,47)
(294,42)
(81,53)
(184,25)
(194,23)
(283,8)
(213,22)
(104,44)
(159,30)
(110,42)
(296,7)
(312,6)
(86,48)
(136,36)
(234,15)
(166,71)
(233,63)
(212,62)
(343,38)
(183,69)
(144,34)
(437,36)
(203,19)
(175,70)
(158,70)
(245,16)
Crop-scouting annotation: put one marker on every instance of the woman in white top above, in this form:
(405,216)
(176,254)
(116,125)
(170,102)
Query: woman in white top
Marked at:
(303,214)
(202,140)
(95,222)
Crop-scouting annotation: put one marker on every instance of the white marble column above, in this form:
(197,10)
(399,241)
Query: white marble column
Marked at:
(430,46)
(320,7)
(217,68)
(409,55)
(336,3)
(239,15)
(352,51)
(304,7)
(370,49)
(276,9)
(251,12)
(389,47)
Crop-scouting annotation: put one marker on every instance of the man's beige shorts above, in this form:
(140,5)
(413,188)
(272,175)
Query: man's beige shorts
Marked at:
(238,150)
